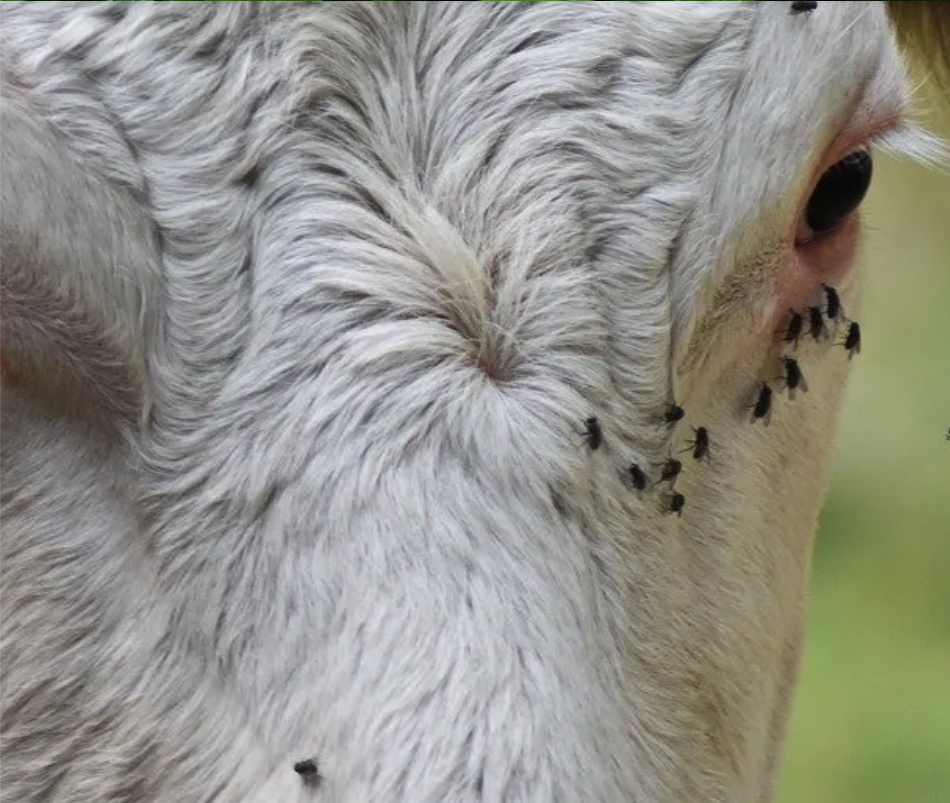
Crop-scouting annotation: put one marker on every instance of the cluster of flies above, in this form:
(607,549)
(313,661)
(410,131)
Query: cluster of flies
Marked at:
(670,469)
(793,379)
(811,322)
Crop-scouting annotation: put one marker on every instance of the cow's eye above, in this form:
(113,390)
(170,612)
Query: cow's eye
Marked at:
(839,192)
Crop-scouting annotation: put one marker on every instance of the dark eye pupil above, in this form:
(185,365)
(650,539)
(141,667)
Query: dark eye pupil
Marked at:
(839,192)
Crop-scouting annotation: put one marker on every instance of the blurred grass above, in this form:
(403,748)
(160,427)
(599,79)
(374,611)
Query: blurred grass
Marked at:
(871,722)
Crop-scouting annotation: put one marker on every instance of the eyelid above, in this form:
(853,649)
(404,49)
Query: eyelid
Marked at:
(856,138)
(853,137)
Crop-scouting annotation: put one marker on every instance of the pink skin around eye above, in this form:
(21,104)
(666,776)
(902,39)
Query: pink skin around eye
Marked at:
(829,258)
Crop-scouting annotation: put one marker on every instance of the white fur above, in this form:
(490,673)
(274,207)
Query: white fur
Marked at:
(310,301)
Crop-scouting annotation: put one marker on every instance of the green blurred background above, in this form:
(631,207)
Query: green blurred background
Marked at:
(871,722)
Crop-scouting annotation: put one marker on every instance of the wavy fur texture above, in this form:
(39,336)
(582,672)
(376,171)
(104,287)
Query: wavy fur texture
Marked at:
(307,304)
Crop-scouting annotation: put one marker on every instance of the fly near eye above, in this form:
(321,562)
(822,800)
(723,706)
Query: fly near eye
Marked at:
(816,323)
(852,340)
(762,409)
(793,379)
(793,332)
(832,302)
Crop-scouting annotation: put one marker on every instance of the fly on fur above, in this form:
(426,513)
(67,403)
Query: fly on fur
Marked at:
(793,332)
(832,302)
(762,409)
(852,340)
(594,433)
(670,470)
(793,378)
(675,503)
(673,414)
(700,444)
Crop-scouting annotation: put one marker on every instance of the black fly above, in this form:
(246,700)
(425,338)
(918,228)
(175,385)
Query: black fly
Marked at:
(832,303)
(852,340)
(673,414)
(699,444)
(676,503)
(794,379)
(803,6)
(670,471)
(816,324)
(308,772)
(793,332)
(638,479)
(594,433)
(763,404)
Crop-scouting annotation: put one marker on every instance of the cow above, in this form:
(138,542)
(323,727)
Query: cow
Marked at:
(348,349)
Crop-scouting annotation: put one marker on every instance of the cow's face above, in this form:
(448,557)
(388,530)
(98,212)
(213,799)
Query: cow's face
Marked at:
(331,333)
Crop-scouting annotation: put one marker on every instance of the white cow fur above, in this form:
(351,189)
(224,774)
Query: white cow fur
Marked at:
(307,304)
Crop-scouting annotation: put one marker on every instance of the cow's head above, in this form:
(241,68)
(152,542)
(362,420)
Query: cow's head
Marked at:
(332,335)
